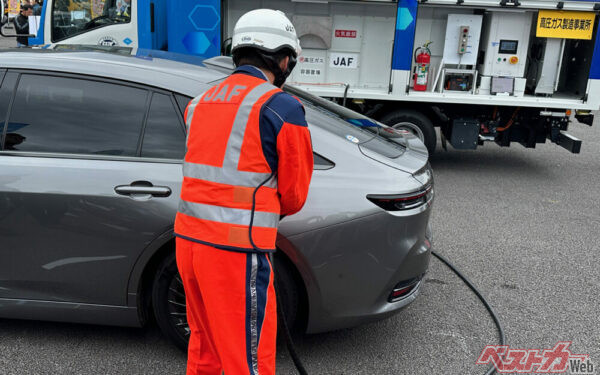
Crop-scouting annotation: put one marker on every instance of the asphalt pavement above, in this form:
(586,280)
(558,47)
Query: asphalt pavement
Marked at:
(522,224)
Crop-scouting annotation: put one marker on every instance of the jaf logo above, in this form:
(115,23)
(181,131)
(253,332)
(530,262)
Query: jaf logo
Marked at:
(107,41)
(556,360)
(343,60)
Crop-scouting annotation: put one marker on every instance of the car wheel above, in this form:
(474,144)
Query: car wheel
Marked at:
(168,303)
(416,123)
(288,294)
(168,300)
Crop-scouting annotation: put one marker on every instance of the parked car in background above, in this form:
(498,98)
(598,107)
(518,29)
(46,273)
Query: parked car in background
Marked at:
(90,172)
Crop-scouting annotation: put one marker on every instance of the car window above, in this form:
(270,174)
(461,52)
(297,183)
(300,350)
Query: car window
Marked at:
(182,102)
(71,17)
(5,94)
(349,124)
(67,115)
(164,136)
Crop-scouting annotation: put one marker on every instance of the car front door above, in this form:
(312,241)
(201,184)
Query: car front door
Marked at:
(87,181)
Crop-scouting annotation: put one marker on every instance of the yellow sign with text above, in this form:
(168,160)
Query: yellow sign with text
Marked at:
(565,24)
(14,6)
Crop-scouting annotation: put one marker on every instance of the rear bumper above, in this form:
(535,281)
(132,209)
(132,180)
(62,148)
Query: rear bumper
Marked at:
(355,265)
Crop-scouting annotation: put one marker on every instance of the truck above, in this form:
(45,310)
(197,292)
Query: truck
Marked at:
(500,71)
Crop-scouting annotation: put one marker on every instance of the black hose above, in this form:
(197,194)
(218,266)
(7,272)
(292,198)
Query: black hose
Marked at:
(256,248)
(292,349)
(289,343)
(345,94)
(481,298)
(280,313)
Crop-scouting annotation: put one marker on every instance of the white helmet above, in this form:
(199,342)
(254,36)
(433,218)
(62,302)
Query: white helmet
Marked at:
(266,29)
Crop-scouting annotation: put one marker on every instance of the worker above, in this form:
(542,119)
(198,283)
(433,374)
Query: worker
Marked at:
(21,23)
(248,161)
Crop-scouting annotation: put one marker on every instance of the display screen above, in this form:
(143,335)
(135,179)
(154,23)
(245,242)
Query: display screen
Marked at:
(508,46)
(502,85)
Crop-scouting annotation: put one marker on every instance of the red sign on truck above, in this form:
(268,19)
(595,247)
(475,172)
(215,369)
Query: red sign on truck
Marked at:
(345,33)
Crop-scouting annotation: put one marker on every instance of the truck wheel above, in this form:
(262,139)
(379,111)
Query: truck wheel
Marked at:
(168,302)
(416,123)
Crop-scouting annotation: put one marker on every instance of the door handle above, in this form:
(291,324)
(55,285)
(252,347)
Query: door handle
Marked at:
(143,188)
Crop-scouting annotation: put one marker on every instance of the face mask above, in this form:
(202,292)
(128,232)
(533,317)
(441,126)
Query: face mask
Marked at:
(286,74)
(280,75)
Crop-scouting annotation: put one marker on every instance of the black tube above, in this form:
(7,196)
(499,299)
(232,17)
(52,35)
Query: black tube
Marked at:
(286,331)
(280,313)
(289,343)
(481,298)
(345,94)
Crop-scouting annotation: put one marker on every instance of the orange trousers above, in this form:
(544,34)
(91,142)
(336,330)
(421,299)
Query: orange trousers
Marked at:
(231,310)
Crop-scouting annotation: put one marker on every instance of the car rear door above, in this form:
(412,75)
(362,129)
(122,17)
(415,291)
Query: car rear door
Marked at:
(89,175)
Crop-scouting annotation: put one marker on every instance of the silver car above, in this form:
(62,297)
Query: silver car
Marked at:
(90,172)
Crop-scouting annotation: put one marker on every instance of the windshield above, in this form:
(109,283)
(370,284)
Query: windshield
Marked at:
(72,17)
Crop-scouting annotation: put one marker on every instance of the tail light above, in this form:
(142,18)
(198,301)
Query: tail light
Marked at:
(400,202)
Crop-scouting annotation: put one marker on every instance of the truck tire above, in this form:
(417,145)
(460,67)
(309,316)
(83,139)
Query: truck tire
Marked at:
(416,123)
(168,303)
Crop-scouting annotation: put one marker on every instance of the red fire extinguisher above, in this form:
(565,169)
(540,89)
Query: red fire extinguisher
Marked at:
(422,69)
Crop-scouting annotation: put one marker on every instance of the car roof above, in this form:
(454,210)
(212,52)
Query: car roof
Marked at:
(185,74)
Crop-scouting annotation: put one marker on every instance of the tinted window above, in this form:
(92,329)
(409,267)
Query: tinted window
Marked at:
(164,136)
(345,122)
(182,102)
(72,17)
(6,90)
(66,115)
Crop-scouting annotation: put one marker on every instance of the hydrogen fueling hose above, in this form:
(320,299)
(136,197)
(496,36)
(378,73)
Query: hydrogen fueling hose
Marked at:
(289,343)
(292,349)
(286,331)
(481,298)
(281,314)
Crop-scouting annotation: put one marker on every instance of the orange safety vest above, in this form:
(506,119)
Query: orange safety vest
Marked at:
(225,171)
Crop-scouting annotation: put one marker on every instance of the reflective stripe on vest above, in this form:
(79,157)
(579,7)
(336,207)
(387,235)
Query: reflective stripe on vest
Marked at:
(190,110)
(226,176)
(229,174)
(228,215)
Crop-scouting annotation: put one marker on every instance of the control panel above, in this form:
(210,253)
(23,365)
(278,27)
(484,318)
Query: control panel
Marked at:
(506,38)
(461,44)
(463,40)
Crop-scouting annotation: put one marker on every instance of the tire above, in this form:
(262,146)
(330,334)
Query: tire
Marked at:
(168,300)
(416,123)
(168,303)
(287,295)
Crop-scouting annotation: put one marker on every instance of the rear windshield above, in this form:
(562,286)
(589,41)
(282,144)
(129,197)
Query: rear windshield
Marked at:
(347,123)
